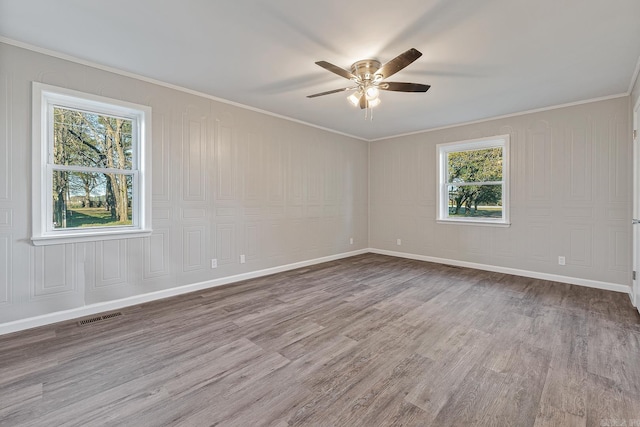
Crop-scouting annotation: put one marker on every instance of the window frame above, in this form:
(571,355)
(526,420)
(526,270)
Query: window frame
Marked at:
(442,150)
(44,99)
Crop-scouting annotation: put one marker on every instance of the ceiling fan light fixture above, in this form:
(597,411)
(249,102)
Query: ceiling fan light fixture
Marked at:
(354,98)
(368,75)
(372,93)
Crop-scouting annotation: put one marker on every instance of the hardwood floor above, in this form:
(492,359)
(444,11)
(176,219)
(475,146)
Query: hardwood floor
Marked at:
(365,341)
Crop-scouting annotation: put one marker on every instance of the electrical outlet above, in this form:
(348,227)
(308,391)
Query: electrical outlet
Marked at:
(561,260)
(214,263)
(351,241)
(242,260)
(398,242)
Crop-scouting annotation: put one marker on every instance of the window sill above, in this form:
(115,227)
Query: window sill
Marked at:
(92,236)
(474,222)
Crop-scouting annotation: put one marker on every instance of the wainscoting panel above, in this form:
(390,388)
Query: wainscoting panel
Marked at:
(225,247)
(112,261)
(539,237)
(276,171)
(617,139)
(194,151)
(253,241)
(253,171)
(580,244)
(580,154)
(619,241)
(156,254)
(8,203)
(161,155)
(53,271)
(315,173)
(225,160)
(5,138)
(5,269)
(297,169)
(539,150)
(193,248)
(6,217)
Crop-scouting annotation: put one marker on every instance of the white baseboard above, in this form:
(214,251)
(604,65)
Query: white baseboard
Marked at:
(88,310)
(635,299)
(616,287)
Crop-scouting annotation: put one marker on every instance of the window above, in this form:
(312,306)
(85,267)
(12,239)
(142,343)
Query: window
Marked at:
(91,166)
(473,181)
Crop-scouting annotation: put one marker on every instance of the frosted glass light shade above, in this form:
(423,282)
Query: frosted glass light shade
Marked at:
(372,93)
(354,98)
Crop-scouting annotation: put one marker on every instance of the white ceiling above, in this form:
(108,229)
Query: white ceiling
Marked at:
(482,58)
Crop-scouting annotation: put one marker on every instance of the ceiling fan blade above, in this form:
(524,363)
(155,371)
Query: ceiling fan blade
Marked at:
(335,69)
(404,87)
(329,92)
(363,101)
(398,63)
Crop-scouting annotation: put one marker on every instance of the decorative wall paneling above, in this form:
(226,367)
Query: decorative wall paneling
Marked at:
(226,182)
(571,172)
(5,269)
(112,263)
(5,140)
(156,254)
(6,207)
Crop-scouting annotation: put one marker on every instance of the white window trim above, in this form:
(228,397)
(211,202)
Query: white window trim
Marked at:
(442,191)
(44,95)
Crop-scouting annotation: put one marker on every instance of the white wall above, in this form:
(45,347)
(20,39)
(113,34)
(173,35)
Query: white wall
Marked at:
(571,177)
(226,181)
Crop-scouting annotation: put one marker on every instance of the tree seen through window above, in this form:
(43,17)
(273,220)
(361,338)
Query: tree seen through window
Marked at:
(474,179)
(92,169)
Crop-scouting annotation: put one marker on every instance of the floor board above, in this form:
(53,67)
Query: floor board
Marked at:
(364,341)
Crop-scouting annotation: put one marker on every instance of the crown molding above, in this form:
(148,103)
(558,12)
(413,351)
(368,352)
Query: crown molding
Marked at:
(146,79)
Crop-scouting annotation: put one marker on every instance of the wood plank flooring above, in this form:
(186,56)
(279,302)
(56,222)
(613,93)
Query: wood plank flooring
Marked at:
(364,341)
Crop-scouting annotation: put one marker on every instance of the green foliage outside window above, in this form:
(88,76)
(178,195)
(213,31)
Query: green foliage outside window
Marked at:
(92,169)
(474,180)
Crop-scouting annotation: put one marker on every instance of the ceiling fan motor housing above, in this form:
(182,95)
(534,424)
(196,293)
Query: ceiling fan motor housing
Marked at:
(365,69)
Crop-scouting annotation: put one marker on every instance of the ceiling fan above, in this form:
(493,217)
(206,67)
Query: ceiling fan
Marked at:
(368,75)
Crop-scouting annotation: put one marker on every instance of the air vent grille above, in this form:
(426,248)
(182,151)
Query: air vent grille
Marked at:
(99,318)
